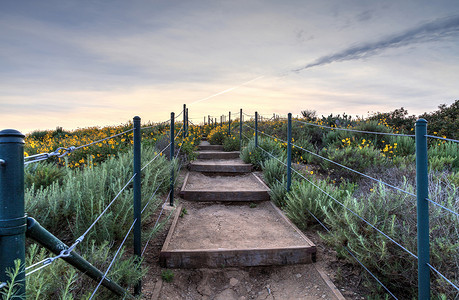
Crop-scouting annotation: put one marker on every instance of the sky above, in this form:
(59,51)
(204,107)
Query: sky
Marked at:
(85,63)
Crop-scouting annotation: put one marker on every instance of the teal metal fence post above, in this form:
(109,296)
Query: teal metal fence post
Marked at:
(187,122)
(137,231)
(289,152)
(240,129)
(172,153)
(184,121)
(229,124)
(422,192)
(256,129)
(13,222)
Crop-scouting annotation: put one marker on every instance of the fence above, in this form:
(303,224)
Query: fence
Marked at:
(15,226)
(422,196)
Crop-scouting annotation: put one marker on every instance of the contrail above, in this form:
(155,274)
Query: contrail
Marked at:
(227,90)
(427,32)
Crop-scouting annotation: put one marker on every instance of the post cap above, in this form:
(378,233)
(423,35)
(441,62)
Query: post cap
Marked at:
(11,136)
(421,120)
(136,118)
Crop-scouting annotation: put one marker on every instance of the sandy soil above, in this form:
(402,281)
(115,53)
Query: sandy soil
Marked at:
(247,182)
(233,227)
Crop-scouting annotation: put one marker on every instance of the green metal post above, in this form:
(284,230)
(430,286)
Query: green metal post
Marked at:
(184,120)
(422,192)
(13,222)
(240,128)
(221,120)
(289,152)
(187,123)
(229,124)
(39,234)
(208,119)
(256,129)
(172,153)
(137,231)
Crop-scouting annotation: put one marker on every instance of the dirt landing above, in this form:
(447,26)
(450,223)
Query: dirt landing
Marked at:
(233,227)
(286,283)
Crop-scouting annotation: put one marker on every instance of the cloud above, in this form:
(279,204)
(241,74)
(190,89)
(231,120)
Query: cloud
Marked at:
(428,32)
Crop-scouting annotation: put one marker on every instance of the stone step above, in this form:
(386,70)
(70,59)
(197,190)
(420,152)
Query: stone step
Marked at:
(210,147)
(216,236)
(226,166)
(248,188)
(208,154)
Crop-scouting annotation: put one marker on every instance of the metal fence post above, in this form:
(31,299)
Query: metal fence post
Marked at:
(229,124)
(172,153)
(187,123)
(184,120)
(137,198)
(256,129)
(240,129)
(422,192)
(289,152)
(13,222)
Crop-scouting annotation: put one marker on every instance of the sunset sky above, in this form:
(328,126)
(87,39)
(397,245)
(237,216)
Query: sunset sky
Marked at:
(101,62)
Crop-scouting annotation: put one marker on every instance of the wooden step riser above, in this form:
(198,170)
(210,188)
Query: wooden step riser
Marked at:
(230,196)
(218,155)
(236,258)
(211,147)
(220,169)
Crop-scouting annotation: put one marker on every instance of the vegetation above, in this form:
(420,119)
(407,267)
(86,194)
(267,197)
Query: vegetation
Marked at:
(66,196)
(333,194)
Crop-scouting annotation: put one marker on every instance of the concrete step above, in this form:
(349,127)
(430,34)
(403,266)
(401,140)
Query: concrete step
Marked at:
(248,188)
(209,154)
(216,236)
(210,147)
(220,166)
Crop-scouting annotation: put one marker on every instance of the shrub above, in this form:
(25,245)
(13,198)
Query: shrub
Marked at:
(42,174)
(403,146)
(392,213)
(256,156)
(444,155)
(359,159)
(444,121)
(231,143)
(217,135)
(304,196)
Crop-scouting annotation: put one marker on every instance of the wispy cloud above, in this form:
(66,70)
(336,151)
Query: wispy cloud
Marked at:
(428,32)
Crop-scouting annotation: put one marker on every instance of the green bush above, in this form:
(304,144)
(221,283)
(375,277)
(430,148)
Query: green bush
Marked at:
(403,146)
(256,156)
(231,143)
(359,159)
(444,121)
(304,196)
(444,155)
(217,135)
(42,174)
